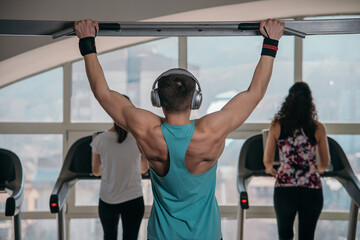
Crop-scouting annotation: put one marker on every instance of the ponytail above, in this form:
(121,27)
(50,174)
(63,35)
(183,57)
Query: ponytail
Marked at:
(122,133)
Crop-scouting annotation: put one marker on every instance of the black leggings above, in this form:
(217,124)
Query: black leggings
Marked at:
(131,213)
(290,200)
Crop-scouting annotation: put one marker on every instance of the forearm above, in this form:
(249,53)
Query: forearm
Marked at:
(322,148)
(96,166)
(261,77)
(96,76)
(268,163)
(96,169)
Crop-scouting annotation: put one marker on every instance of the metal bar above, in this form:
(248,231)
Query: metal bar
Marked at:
(102,26)
(256,26)
(290,31)
(241,222)
(64,32)
(61,223)
(296,235)
(128,29)
(17,226)
(353,218)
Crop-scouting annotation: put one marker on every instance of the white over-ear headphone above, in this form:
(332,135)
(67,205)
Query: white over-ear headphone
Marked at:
(196,98)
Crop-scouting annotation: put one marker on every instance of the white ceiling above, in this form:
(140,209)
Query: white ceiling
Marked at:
(24,56)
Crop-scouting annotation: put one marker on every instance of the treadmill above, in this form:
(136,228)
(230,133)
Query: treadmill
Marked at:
(77,166)
(12,182)
(251,165)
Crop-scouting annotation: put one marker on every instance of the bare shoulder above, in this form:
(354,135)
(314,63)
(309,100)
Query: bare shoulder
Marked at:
(275,129)
(320,128)
(145,126)
(213,125)
(320,131)
(275,125)
(140,121)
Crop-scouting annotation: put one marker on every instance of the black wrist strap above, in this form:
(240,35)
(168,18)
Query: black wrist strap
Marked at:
(270,47)
(87,45)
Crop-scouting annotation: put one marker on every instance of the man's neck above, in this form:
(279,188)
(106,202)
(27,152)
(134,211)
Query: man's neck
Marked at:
(177,118)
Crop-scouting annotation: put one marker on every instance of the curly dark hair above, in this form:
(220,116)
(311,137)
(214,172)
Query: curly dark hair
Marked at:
(298,111)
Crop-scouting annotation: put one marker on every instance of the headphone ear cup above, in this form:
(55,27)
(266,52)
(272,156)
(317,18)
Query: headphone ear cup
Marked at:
(155,99)
(196,100)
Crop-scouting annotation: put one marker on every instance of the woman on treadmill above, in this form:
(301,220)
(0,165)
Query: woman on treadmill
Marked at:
(296,134)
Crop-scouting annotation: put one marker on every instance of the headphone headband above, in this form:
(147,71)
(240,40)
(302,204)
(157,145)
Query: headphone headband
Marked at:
(197,96)
(177,71)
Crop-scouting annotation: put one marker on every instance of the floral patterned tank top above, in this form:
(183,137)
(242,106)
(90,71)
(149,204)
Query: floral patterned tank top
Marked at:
(298,167)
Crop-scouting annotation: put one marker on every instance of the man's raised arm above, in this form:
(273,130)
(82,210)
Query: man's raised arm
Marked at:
(239,108)
(114,103)
(111,101)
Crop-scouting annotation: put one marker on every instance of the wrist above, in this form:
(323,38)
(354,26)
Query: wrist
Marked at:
(270,47)
(87,45)
(267,168)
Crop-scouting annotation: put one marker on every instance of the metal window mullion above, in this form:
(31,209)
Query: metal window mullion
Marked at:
(183,52)
(298,57)
(67,93)
(298,60)
(66,105)
(70,201)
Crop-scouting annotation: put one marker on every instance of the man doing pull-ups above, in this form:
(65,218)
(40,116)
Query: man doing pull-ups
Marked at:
(182,153)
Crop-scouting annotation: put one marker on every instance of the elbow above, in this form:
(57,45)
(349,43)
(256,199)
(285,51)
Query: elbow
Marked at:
(96,172)
(100,94)
(261,94)
(267,163)
(257,95)
(99,97)
(323,166)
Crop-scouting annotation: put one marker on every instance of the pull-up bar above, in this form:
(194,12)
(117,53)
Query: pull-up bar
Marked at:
(168,29)
(300,28)
(102,26)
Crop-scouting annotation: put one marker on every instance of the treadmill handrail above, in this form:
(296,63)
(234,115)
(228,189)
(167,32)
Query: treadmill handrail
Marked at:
(345,176)
(67,178)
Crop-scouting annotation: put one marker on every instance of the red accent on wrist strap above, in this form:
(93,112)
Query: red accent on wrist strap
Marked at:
(270,47)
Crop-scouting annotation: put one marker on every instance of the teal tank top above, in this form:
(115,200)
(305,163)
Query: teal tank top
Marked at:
(184,205)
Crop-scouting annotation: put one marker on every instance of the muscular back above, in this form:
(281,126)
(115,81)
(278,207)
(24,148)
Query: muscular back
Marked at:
(203,151)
